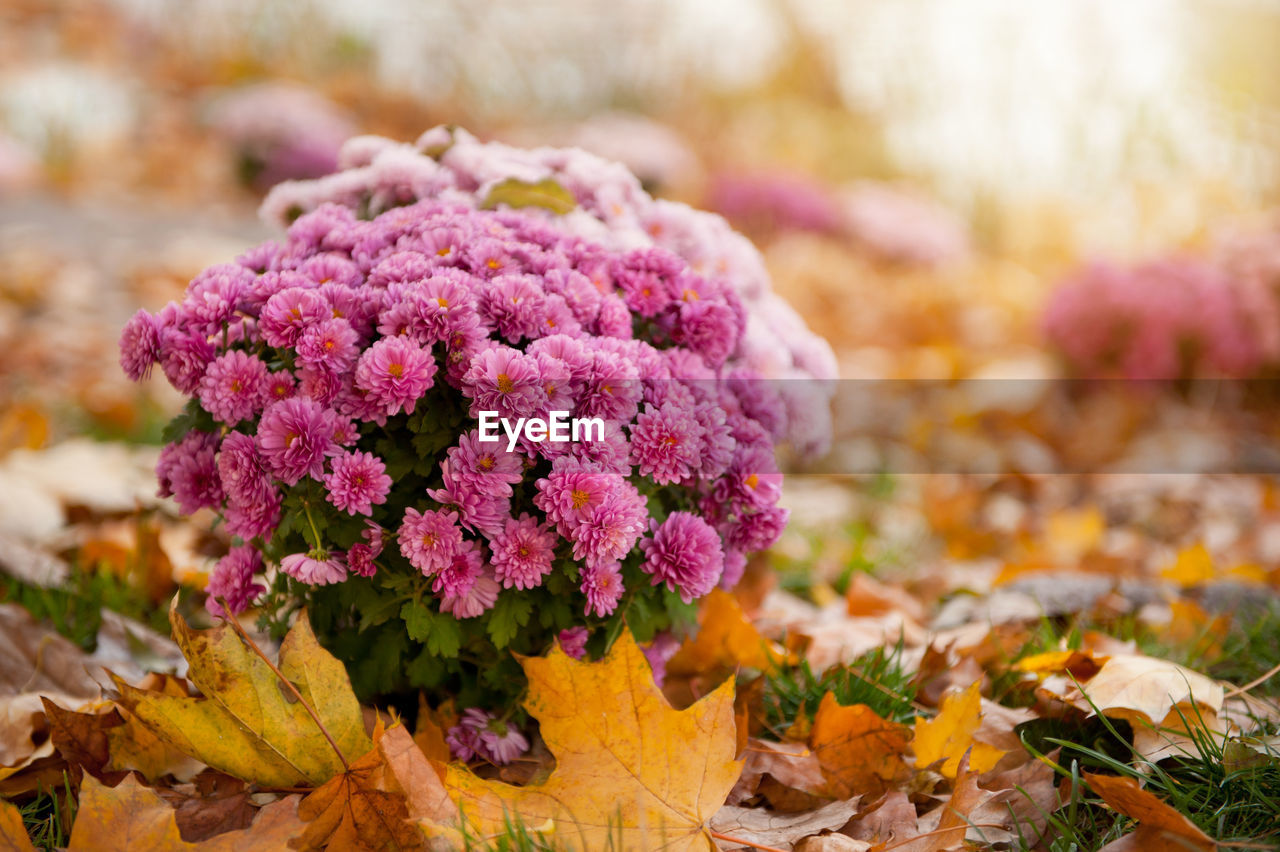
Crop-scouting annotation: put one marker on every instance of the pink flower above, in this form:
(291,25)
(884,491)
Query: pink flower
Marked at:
(685,554)
(602,586)
(478,599)
(188,472)
(140,345)
(522,554)
(233,386)
(484,467)
(394,373)
(357,481)
(573,641)
(289,313)
(332,344)
(479,734)
(184,358)
(316,567)
(479,512)
(666,443)
(361,555)
(232,580)
(504,380)
(429,540)
(295,436)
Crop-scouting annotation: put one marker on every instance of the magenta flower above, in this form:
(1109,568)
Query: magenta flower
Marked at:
(140,345)
(232,581)
(666,443)
(233,387)
(429,540)
(479,512)
(184,358)
(484,467)
(478,598)
(522,554)
(330,344)
(315,567)
(295,436)
(289,313)
(479,734)
(394,373)
(602,586)
(504,380)
(356,482)
(573,641)
(502,742)
(685,554)
(188,472)
(361,555)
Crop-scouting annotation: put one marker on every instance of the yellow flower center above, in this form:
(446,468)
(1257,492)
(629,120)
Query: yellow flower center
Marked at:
(505,384)
(579,497)
(395,370)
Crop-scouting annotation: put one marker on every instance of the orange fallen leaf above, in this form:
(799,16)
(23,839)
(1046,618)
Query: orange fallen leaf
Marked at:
(1135,686)
(130,817)
(868,596)
(373,804)
(949,735)
(859,752)
(630,770)
(1160,827)
(726,639)
(1081,665)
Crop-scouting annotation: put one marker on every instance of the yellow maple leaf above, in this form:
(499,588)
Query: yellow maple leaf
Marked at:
(726,638)
(630,770)
(1192,567)
(949,735)
(13,834)
(249,724)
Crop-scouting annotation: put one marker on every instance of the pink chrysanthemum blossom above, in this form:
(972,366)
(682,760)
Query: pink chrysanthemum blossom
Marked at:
(361,555)
(571,492)
(294,437)
(457,577)
(484,467)
(356,482)
(188,472)
(280,385)
(684,553)
(184,358)
(666,443)
(609,532)
(430,539)
(758,530)
(331,344)
(658,653)
(478,598)
(602,586)
(289,313)
(140,345)
(253,501)
(573,641)
(479,734)
(233,386)
(315,568)
(522,554)
(479,512)
(504,380)
(232,581)
(395,372)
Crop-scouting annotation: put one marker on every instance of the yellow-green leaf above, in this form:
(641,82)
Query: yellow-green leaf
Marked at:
(546,193)
(247,722)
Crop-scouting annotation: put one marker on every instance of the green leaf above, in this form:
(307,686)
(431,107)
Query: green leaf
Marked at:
(446,636)
(508,615)
(417,620)
(546,193)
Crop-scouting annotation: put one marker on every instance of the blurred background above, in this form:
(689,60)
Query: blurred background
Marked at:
(989,190)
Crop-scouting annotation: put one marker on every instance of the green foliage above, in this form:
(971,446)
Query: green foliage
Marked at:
(876,679)
(546,193)
(75,609)
(48,817)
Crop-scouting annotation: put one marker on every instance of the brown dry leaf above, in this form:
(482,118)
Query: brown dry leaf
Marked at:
(766,828)
(892,818)
(947,827)
(859,751)
(23,733)
(13,835)
(247,723)
(212,804)
(1134,686)
(726,639)
(1160,827)
(628,766)
(949,736)
(832,843)
(130,817)
(430,734)
(108,744)
(1081,665)
(790,764)
(371,805)
(35,659)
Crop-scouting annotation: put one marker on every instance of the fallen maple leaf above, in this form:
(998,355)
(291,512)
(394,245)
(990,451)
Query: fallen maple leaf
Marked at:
(763,827)
(1192,567)
(949,735)
(858,750)
(726,638)
(130,817)
(630,770)
(248,723)
(1134,686)
(1160,827)
(107,744)
(371,805)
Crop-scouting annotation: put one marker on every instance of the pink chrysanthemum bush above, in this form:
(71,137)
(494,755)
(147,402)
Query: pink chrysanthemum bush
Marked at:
(338,380)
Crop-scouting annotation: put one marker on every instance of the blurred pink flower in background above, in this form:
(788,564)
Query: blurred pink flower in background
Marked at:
(898,226)
(281,131)
(768,202)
